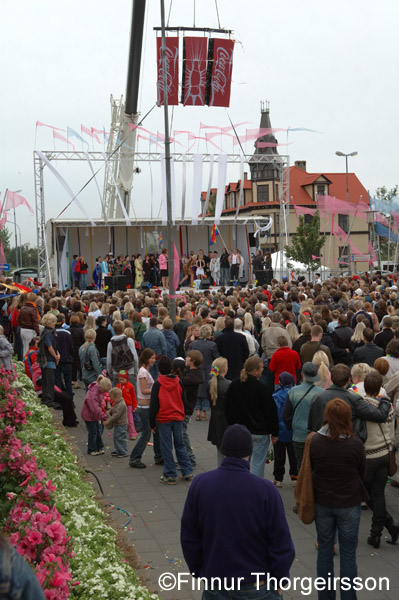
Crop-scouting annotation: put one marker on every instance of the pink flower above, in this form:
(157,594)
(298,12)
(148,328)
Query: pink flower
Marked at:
(35,538)
(34,490)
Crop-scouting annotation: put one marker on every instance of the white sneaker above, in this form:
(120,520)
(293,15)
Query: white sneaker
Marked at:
(278,483)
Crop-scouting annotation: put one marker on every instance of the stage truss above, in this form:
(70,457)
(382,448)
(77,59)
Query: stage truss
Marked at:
(281,162)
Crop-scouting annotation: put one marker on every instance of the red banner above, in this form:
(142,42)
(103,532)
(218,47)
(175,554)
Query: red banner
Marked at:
(222,66)
(172,70)
(194,71)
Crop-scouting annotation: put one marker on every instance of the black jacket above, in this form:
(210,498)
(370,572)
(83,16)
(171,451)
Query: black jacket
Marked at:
(234,347)
(65,345)
(180,330)
(249,403)
(78,338)
(360,409)
(383,338)
(341,337)
(191,381)
(102,338)
(218,423)
(367,354)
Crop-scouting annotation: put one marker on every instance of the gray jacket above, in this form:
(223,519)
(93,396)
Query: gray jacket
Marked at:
(209,352)
(269,339)
(6,351)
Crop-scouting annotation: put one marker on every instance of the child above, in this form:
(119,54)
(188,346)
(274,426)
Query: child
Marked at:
(284,443)
(129,396)
(117,419)
(167,416)
(190,378)
(92,413)
(31,356)
(6,351)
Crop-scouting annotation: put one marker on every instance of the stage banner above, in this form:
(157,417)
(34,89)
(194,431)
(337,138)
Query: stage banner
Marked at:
(172,71)
(220,66)
(194,71)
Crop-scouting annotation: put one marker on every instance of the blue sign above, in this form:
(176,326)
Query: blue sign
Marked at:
(5,267)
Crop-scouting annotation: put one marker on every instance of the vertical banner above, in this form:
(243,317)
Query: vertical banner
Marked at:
(221,187)
(194,71)
(164,210)
(197,187)
(172,71)
(220,67)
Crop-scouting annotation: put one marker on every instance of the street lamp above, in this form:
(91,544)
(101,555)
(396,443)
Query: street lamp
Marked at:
(338,153)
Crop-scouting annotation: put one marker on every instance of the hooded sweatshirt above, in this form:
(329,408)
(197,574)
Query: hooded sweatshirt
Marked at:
(167,400)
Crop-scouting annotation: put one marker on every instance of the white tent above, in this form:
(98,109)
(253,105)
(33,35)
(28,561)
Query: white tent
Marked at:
(292,265)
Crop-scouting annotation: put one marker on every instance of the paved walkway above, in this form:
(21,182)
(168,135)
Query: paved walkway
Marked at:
(156,509)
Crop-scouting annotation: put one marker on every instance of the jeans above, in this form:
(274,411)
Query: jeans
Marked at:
(141,444)
(48,385)
(346,522)
(120,443)
(247,591)
(95,442)
(202,404)
(169,433)
(154,370)
(63,371)
(375,481)
(187,442)
(299,447)
(82,282)
(280,451)
(261,445)
(224,275)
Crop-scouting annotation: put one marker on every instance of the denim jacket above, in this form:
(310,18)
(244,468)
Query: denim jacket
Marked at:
(17,580)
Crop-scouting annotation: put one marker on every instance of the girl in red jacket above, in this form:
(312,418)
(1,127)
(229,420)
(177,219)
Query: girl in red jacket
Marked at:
(129,396)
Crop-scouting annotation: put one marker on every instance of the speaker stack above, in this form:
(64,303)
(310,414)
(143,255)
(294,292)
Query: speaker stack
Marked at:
(121,282)
(109,282)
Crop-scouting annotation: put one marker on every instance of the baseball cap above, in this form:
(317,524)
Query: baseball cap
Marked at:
(310,372)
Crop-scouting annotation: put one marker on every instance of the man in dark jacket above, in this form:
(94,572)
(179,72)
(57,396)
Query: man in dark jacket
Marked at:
(369,352)
(63,370)
(213,547)
(361,411)
(180,329)
(234,347)
(383,338)
(341,337)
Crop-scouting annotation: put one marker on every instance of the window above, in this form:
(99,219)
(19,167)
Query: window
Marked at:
(321,190)
(343,222)
(232,203)
(276,192)
(276,223)
(263,193)
(343,253)
(308,219)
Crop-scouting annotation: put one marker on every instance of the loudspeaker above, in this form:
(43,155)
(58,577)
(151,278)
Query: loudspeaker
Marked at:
(261,277)
(121,282)
(109,282)
(252,240)
(205,284)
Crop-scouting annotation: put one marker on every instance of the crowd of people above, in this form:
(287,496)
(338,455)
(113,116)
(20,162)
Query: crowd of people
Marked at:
(276,359)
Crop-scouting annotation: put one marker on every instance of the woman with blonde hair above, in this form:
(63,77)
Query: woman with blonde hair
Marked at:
(90,359)
(209,352)
(219,326)
(90,323)
(320,359)
(357,338)
(249,403)
(94,311)
(292,331)
(217,389)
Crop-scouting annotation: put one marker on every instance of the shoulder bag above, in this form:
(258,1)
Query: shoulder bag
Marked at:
(304,495)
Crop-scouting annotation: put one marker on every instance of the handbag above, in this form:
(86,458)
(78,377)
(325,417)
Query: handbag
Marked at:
(393,467)
(304,495)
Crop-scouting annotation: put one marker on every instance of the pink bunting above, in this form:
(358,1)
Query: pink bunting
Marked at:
(373,256)
(13,200)
(315,257)
(328,203)
(176,268)
(2,255)
(223,129)
(3,220)
(191,136)
(340,233)
(89,132)
(304,210)
(379,218)
(396,218)
(340,262)
(270,144)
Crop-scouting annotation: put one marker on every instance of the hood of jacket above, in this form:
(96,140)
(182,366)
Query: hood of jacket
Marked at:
(169,382)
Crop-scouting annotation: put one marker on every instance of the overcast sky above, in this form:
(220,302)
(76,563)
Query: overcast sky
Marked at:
(329,66)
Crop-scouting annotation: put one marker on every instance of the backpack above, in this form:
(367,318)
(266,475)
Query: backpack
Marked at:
(88,365)
(121,355)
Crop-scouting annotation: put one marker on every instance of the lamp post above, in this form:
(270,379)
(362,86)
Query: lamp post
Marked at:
(339,153)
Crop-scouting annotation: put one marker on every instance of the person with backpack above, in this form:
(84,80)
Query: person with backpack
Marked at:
(31,356)
(122,355)
(90,359)
(284,444)
(154,339)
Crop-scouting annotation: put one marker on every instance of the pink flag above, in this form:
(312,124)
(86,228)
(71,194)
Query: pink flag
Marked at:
(3,220)
(328,203)
(176,268)
(340,262)
(40,124)
(315,257)
(304,210)
(373,256)
(341,234)
(89,132)
(62,138)
(228,128)
(2,255)
(396,218)
(13,200)
(379,218)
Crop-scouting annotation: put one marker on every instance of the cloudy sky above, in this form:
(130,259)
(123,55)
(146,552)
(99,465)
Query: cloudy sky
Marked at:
(324,65)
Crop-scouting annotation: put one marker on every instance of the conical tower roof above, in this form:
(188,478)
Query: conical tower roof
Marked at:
(265,172)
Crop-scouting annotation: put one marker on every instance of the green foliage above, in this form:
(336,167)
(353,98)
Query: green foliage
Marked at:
(5,235)
(382,193)
(305,242)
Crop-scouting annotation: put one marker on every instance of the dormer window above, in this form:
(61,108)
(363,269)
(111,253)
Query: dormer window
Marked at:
(263,193)
(321,190)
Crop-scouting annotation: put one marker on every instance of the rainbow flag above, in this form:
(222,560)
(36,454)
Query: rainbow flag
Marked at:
(215,232)
(160,242)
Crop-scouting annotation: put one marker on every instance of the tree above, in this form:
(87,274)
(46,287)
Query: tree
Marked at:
(5,236)
(306,242)
(383,246)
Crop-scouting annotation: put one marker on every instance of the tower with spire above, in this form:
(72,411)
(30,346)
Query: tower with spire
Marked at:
(266,171)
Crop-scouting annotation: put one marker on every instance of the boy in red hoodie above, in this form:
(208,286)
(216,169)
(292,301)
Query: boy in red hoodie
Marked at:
(129,396)
(166,417)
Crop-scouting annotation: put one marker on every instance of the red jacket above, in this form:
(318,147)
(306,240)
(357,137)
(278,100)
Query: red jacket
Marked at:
(166,403)
(284,359)
(128,394)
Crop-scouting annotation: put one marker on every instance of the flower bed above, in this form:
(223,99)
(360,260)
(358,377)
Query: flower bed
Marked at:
(49,511)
